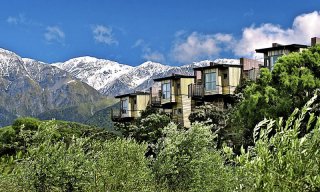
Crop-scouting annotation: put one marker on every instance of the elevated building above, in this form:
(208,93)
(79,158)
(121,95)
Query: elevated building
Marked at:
(215,83)
(172,97)
(272,54)
(131,106)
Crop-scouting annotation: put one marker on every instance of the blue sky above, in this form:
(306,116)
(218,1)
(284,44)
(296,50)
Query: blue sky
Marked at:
(173,32)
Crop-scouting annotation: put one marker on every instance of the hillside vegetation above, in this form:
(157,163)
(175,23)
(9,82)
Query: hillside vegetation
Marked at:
(269,141)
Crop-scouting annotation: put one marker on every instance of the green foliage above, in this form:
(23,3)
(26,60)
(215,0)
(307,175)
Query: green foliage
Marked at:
(20,135)
(209,114)
(148,128)
(291,84)
(187,161)
(28,123)
(82,164)
(215,117)
(120,165)
(286,161)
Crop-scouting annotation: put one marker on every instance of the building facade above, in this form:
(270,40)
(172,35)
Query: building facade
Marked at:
(131,106)
(172,97)
(178,95)
(272,54)
(214,83)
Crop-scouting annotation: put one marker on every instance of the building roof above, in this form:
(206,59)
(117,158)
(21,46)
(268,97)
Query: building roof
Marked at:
(290,47)
(215,65)
(174,76)
(132,94)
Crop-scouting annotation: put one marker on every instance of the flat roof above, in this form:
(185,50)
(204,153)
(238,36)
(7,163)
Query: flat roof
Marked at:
(279,47)
(215,65)
(132,94)
(174,76)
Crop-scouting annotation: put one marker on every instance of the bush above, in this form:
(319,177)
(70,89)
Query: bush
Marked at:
(82,164)
(286,161)
(28,123)
(187,161)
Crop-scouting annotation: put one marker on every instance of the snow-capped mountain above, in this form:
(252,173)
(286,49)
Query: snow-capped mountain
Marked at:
(96,72)
(33,88)
(112,78)
(29,87)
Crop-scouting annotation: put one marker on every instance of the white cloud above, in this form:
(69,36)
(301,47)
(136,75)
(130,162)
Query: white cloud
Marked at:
(303,28)
(154,56)
(198,46)
(54,34)
(148,53)
(103,34)
(205,46)
(20,19)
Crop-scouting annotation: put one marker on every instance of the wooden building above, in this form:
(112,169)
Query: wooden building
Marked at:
(215,84)
(172,97)
(272,54)
(131,106)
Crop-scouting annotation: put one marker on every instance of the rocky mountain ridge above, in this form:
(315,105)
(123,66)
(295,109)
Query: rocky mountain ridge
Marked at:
(111,78)
(76,89)
(29,88)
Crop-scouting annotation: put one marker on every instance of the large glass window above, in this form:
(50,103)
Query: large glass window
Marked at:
(273,60)
(166,90)
(210,81)
(124,106)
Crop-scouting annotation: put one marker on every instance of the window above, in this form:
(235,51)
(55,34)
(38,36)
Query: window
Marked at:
(210,81)
(273,60)
(166,90)
(124,106)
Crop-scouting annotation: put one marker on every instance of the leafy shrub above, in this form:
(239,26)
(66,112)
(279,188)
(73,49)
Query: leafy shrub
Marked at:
(187,161)
(286,161)
(29,123)
(82,164)
(148,128)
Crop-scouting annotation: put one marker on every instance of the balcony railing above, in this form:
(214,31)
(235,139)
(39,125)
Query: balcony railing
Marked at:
(155,101)
(124,115)
(199,91)
(195,90)
(116,114)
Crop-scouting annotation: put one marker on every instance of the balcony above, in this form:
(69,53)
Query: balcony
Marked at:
(122,115)
(198,91)
(156,101)
(195,90)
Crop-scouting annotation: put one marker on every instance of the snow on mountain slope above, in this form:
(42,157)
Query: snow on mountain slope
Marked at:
(132,79)
(29,87)
(112,78)
(96,72)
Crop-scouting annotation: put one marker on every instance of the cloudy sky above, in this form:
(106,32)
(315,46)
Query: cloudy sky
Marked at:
(173,32)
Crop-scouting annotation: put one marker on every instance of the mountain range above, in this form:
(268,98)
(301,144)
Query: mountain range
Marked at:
(75,89)
(112,78)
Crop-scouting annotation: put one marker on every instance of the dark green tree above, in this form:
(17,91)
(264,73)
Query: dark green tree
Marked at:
(147,128)
(276,93)
(286,160)
(187,161)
